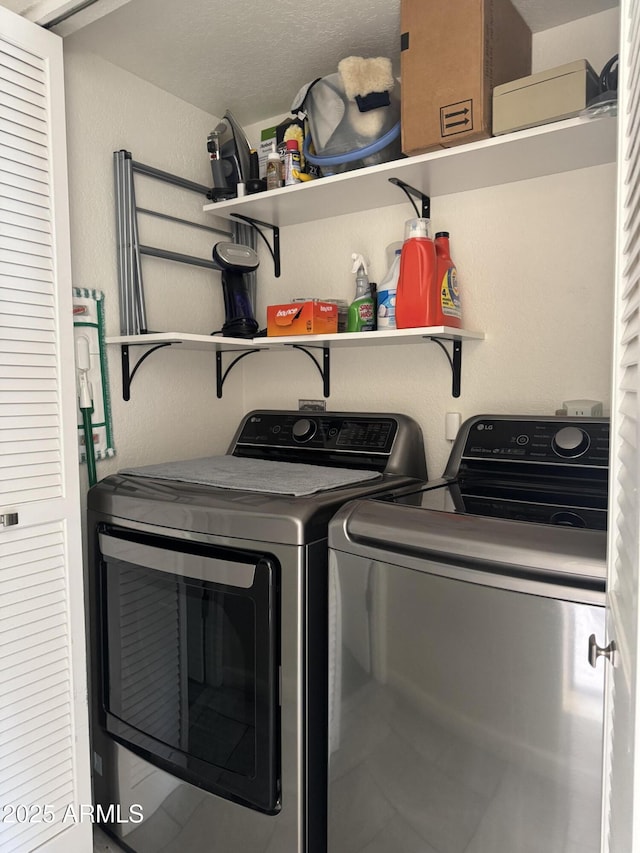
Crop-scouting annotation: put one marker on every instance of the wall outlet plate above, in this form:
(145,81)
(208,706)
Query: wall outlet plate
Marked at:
(583,408)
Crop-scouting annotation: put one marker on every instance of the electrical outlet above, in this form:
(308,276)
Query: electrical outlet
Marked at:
(583,408)
(312,405)
(452,421)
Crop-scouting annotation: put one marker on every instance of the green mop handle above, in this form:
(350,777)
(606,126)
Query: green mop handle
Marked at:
(85,402)
(88,443)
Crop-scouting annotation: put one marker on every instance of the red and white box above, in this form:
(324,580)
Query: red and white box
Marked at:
(302,318)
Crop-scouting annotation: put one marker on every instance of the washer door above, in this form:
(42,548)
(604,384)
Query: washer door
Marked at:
(190,661)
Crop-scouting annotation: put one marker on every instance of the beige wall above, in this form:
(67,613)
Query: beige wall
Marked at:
(535,263)
(173,412)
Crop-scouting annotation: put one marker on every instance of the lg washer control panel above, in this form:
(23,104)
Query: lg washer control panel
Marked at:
(573,441)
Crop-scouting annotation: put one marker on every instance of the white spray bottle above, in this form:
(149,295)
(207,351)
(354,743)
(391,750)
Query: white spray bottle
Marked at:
(362,314)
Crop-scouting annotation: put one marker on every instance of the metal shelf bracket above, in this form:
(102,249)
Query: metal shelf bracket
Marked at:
(425,201)
(275,251)
(455,362)
(222,375)
(127,372)
(324,369)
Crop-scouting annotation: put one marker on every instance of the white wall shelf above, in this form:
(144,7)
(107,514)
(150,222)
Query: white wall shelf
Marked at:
(547,150)
(242,347)
(551,149)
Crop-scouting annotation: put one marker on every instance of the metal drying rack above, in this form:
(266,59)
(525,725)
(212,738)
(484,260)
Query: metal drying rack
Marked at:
(133,315)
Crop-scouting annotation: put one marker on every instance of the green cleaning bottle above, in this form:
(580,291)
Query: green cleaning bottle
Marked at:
(362,314)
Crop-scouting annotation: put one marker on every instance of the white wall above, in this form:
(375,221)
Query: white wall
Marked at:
(173,412)
(594,38)
(535,263)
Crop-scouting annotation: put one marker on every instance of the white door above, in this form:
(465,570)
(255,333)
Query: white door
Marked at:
(621,823)
(44,743)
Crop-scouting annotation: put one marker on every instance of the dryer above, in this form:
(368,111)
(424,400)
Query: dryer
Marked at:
(207,606)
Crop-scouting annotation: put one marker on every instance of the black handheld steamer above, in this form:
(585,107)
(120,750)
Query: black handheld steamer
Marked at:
(234,260)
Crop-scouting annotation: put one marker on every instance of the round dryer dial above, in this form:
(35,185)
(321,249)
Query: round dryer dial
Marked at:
(304,429)
(570,442)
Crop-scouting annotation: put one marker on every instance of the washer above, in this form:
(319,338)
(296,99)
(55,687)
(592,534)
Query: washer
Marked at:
(207,607)
(466,708)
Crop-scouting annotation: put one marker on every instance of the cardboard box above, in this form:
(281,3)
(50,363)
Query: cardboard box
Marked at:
(267,140)
(550,95)
(341,304)
(452,56)
(302,318)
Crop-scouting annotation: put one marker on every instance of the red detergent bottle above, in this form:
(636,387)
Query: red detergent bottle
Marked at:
(448,305)
(415,302)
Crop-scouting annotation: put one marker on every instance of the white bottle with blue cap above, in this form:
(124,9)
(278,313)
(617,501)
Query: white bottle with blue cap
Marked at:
(387,294)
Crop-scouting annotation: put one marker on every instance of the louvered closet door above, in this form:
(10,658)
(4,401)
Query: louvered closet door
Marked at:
(44,753)
(622,768)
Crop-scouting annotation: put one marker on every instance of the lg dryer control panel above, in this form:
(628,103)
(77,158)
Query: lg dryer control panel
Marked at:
(319,431)
(580,442)
(381,442)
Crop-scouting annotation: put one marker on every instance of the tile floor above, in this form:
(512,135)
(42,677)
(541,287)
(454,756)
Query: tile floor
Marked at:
(102,843)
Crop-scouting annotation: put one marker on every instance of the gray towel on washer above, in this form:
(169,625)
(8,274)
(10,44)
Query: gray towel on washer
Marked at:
(255,475)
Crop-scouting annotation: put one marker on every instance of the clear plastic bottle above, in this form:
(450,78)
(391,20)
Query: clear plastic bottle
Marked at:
(291,162)
(274,169)
(417,296)
(387,295)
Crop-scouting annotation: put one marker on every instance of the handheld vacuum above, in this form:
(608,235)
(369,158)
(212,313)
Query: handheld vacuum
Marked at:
(234,260)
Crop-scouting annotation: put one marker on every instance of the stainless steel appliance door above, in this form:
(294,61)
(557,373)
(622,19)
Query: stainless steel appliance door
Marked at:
(464,718)
(190,661)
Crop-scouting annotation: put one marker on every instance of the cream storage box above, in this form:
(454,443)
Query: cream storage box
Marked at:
(550,95)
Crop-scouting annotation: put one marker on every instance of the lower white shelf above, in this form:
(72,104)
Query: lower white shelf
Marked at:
(215,342)
(306,343)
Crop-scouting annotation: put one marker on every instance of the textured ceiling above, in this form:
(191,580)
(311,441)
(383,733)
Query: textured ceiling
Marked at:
(252,57)
(248,56)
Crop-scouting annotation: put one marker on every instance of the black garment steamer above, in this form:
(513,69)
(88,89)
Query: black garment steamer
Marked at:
(234,260)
